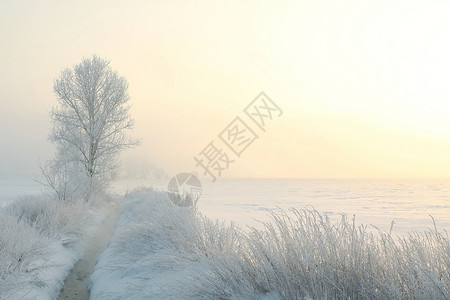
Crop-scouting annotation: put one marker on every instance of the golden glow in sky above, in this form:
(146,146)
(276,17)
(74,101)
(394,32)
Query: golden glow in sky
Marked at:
(364,85)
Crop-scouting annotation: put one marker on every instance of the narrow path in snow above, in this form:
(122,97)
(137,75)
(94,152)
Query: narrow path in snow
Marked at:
(76,283)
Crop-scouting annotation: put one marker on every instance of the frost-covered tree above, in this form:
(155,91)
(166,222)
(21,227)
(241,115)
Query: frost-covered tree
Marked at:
(91,124)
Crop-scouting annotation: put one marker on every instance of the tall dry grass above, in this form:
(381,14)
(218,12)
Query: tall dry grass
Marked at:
(299,254)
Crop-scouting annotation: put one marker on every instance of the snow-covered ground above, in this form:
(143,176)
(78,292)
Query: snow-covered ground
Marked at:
(407,202)
(15,186)
(76,283)
(154,251)
(161,251)
(40,240)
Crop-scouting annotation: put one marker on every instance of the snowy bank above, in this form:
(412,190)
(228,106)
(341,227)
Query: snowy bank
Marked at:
(161,251)
(40,240)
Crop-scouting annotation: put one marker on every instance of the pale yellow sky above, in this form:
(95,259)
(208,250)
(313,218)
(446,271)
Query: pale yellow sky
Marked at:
(363,84)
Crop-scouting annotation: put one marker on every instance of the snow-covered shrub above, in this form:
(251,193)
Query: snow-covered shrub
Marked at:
(20,245)
(40,240)
(52,218)
(304,255)
(68,181)
(155,242)
(180,229)
(160,250)
(24,259)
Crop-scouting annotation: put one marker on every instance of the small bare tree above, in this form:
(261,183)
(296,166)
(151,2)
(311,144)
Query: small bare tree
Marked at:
(91,123)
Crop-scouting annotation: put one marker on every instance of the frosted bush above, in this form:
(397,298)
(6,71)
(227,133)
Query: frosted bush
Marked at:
(51,217)
(40,239)
(21,251)
(303,254)
(162,250)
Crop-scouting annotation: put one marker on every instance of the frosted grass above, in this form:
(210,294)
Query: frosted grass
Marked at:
(161,250)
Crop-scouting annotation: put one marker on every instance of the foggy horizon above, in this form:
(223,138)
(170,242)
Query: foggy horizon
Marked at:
(362,97)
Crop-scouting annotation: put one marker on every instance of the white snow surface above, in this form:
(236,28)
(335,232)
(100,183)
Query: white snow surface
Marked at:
(40,241)
(145,258)
(162,251)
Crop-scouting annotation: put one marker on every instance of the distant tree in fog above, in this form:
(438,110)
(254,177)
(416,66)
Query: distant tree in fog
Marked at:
(141,168)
